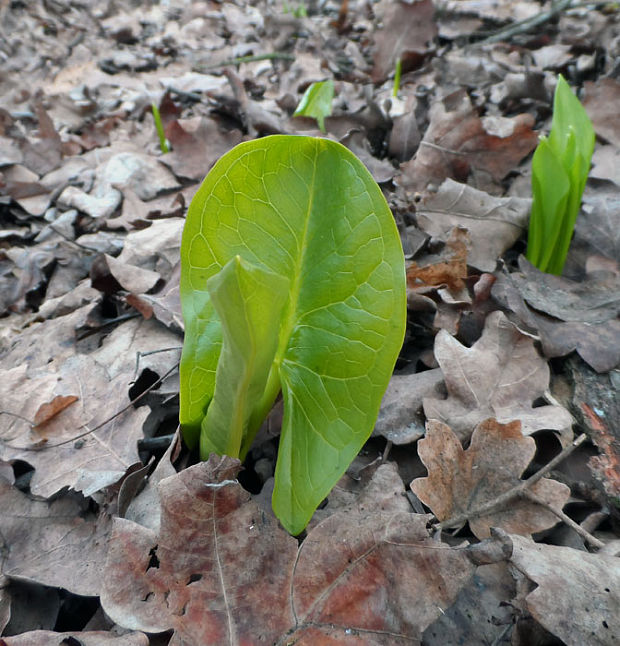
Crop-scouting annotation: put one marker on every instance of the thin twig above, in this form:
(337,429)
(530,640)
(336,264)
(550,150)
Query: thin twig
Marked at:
(96,428)
(565,519)
(523,26)
(507,496)
(244,59)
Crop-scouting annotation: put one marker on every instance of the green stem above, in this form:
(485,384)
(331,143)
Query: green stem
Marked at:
(163,144)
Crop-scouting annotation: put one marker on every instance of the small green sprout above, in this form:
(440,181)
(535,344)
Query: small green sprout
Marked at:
(559,172)
(163,143)
(397,73)
(317,102)
(299,11)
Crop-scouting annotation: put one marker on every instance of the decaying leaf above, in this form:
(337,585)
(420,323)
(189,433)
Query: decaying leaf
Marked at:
(408,27)
(591,307)
(220,570)
(494,223)
(458,144)
(83,638)
(600,101)
(217,571)
(47,410)
(101,380)
(56,543)
(578,594)
(450,271)
(460,481)
(500,376)
(190,157)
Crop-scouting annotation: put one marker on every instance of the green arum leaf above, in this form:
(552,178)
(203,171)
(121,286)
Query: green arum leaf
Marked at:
(305,210)
(248,301)
(560,169)
(317,102)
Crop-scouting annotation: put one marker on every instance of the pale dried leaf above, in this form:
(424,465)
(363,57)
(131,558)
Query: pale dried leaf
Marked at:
(578,594)
(494,223)
(55,543)
(88,638)
(500,376)
(460,481)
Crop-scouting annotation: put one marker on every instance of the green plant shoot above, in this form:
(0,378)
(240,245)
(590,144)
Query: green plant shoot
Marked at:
(397,74)
(560,169)
(292,281)
(163,143)
(317,102)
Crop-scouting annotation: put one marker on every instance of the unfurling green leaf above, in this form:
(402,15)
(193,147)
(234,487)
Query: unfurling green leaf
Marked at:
(317,102)
(292,280)
(560,169)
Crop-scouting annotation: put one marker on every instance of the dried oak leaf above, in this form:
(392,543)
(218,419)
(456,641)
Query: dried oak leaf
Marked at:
(578,594)
(216,573)
(494,223)
(460,481)
(568,315)
(500,376)
(458,143)
(88,638)
(220,570)
(407,29)
(58,543)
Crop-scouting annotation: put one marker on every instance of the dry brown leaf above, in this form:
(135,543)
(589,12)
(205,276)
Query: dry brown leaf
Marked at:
(458,144)
(598,225)
(601,103)
(190,157)
(494,223)
(450,272)
(400,419)
(101,380)
(460,481)
(217,571)
(50,409)
(88,638)
(500,376)
(109,274)
(578,594)
(221,570)
(408,27)
(606,164)
(58,543)
(596,338)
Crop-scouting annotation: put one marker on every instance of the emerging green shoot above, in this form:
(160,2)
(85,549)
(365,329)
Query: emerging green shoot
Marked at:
(397,73)
(163,143)
(317,102)
(560,169)
(299,11)
(292,281)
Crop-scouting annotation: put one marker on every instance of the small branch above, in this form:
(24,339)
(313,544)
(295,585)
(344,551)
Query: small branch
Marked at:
(523,26)
(507,496)
(96,428)
(199,67)
(565,519)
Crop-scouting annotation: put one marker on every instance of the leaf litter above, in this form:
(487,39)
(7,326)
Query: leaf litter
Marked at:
(501,364)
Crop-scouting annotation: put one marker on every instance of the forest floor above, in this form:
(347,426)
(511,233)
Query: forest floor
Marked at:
(485,508)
